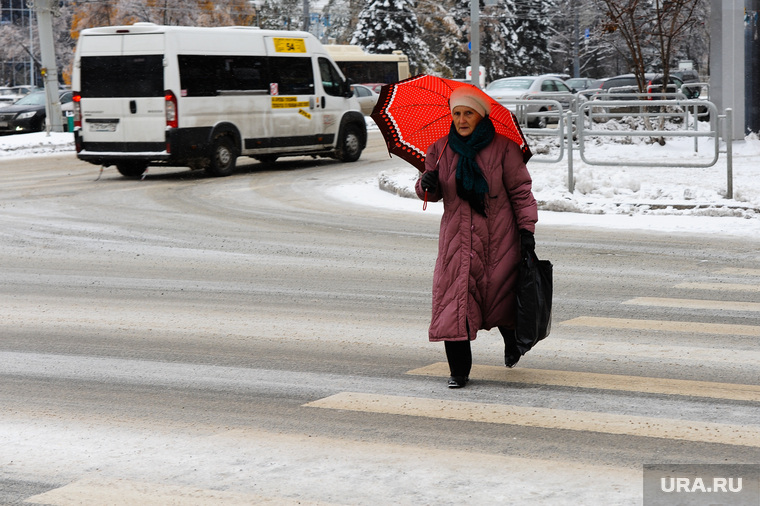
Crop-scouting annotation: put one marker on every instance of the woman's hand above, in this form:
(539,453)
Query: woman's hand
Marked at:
(527,243)
(429,181)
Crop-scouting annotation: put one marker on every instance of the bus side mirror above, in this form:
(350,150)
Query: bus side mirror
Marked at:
(347,91)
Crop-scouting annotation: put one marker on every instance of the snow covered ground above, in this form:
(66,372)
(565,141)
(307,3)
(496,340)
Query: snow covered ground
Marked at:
(625,197)
(663,199)
(686,200)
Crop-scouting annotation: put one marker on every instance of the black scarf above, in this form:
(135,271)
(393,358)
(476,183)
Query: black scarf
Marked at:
(471,185)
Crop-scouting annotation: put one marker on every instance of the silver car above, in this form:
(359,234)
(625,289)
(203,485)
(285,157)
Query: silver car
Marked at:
(366,96)
(546,87)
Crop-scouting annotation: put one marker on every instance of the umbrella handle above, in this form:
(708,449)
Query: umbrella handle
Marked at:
(424,205)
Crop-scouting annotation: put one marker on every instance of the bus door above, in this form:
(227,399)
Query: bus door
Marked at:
(296,110)
(334,101)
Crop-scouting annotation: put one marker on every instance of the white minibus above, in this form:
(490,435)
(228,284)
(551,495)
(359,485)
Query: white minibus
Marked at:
(147,95)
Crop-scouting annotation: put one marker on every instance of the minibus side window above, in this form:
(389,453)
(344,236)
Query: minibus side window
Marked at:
(331,81)
(208,76)
(293,75)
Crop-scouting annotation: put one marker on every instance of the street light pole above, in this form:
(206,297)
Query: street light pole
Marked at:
(44,10)
(576,42)
(475,42)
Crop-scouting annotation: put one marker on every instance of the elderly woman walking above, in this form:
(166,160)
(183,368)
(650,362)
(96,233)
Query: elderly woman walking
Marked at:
(489,217)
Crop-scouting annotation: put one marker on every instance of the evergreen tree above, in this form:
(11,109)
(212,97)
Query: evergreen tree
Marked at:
(529,29)
(342,16)
(282,14)
(437,28)
(498,40)
(454,47)
(388,25)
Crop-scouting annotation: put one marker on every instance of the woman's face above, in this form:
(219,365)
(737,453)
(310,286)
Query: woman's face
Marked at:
(465,119)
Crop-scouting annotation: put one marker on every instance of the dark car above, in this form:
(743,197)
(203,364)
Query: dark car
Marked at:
(27,114)
(579,83)
(687,76)
(627,83)
(621,87)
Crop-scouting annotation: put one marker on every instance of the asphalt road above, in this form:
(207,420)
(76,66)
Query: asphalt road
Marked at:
(253,340)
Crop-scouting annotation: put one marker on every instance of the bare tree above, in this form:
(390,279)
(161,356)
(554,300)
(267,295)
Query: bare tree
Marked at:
(576,22)
(650,30)
(87,14)
(15,48)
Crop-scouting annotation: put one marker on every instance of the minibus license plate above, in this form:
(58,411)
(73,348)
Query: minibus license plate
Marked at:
(102,127)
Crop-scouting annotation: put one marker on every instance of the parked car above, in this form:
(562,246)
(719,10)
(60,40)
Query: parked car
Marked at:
(627,83)
(687,76)
(545,87)
(27,114)
(366,96)
(7,96)
(24,89)
(579,83)
(374,86)
(621,87)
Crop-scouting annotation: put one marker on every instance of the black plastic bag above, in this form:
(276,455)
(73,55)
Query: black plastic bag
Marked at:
(534,302)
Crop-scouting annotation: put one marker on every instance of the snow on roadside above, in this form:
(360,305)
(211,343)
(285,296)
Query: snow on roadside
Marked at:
(39,143)
(656,198)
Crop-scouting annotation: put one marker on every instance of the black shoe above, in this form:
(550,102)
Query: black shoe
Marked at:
(511,351)
(458,381)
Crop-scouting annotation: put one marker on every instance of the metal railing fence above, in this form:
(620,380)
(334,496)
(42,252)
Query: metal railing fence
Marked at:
(590,112)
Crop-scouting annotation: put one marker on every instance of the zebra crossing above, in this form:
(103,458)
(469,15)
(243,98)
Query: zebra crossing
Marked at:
(682,429)
(407,468)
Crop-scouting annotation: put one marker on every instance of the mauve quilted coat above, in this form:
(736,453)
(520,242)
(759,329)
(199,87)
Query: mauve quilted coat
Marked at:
(476,271)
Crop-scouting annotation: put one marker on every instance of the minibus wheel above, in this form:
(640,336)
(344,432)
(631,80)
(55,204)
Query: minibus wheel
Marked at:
(131,168)
(223,157)
(349,146)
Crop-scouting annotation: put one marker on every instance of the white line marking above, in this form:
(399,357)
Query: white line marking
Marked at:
(739,271)
(584,421)
(695,304)
(619,382)
(100,490)
(720,287)
(665,326)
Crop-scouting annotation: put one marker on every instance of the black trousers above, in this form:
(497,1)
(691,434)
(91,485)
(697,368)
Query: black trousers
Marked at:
(459,353)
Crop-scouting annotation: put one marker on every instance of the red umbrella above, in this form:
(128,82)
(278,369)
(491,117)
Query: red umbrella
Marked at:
(414,113)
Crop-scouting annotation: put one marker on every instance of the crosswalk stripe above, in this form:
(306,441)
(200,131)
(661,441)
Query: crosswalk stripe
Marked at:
(103,490)
(694,304)
(739,271)
(721,287)
(547,418)
(666,326)
(618,382)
